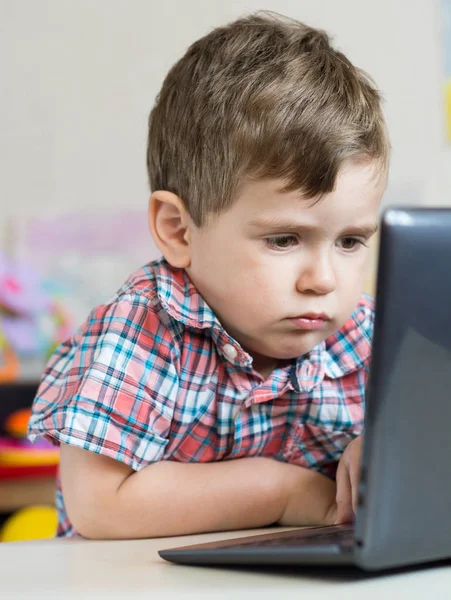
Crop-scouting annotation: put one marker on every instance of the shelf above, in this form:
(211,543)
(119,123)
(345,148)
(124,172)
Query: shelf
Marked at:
(15,494)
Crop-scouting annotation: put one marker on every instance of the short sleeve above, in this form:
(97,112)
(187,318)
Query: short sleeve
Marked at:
(111,388)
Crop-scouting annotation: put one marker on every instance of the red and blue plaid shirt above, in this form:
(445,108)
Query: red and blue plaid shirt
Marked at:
(152,375)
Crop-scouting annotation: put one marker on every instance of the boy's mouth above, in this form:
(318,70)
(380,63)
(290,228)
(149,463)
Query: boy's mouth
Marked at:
(310,321)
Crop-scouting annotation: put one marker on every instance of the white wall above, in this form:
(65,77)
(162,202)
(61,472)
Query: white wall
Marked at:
(79,78)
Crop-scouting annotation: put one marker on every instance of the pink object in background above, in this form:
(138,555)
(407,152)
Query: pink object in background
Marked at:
(21,291)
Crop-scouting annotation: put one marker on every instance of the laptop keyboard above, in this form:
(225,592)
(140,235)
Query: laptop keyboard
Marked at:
(343,537)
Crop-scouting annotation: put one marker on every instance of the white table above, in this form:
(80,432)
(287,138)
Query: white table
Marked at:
(78,568)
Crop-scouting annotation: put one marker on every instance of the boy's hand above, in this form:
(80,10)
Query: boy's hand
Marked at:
(348,481)
(309,497)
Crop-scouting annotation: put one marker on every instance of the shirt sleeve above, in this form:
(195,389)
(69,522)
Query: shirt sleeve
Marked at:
(111,388)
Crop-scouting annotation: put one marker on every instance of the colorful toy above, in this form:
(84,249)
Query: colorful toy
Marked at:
(31,523)
(21,459)
(33,321)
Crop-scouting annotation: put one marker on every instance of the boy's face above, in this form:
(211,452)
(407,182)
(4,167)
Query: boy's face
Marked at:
(283,273)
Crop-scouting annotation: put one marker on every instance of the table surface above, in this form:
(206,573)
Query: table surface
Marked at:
(77,568)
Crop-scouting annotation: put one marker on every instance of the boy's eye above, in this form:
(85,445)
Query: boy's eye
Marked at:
(350,243)
(281,242)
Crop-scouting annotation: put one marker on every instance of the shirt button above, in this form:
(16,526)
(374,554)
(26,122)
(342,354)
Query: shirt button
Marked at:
(230,352)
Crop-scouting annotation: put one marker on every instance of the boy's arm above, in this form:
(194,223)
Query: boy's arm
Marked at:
(107,499)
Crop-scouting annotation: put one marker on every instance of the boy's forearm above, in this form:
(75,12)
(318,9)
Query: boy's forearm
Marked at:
(169,498)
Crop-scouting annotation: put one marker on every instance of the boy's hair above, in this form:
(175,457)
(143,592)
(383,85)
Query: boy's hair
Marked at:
(263,97)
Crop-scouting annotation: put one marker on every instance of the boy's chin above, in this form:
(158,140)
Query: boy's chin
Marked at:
(291,353)
(281,349)
(295,350)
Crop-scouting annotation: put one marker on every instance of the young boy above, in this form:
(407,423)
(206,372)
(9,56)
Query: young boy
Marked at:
(223,384)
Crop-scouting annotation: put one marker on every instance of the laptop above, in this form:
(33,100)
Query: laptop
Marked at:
(404,509)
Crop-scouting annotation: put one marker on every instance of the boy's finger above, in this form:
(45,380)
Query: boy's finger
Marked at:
(354,476)
(344,496)
(354,470)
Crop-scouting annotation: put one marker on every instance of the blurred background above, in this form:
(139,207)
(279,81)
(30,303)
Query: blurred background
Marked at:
(79,78)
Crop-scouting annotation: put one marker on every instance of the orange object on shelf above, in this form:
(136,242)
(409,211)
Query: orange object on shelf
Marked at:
(17,423)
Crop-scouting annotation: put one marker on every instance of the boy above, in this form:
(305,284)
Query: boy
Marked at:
(224,383)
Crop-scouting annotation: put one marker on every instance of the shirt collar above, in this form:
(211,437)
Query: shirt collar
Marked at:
(180,298)
(344,352)
(349,348)
(182,301)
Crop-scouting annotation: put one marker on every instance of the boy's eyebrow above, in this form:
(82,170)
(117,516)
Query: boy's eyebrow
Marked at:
(275,224)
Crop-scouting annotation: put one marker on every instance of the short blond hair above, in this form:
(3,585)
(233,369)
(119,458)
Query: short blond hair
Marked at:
(263,97)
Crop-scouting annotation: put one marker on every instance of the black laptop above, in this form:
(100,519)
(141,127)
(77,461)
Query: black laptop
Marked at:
(404,511)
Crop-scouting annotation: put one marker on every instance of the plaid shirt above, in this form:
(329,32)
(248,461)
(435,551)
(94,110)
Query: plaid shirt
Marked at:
(152,375)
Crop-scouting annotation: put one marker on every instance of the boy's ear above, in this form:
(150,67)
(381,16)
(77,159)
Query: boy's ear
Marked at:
(169,223)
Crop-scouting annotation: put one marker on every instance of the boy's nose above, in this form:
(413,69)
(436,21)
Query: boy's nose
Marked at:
(318,276)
